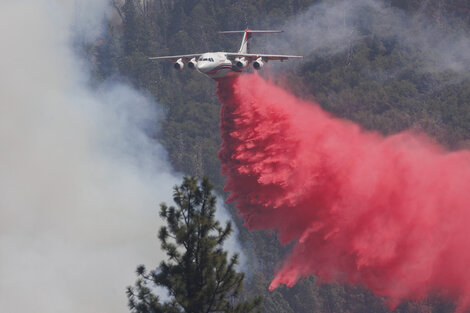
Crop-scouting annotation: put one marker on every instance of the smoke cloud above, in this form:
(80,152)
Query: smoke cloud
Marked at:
(330,27)
(80,179)
(390,213)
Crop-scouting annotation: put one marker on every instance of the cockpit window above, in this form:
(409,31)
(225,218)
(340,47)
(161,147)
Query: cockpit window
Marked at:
(207,59)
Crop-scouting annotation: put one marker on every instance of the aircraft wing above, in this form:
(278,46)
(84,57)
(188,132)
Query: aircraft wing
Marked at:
(254,57)
(173,58)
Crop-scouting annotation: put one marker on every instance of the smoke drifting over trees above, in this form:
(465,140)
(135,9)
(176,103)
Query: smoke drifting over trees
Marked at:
(81,172)
(372,76)
(331,27)
(80,178)
(78,172)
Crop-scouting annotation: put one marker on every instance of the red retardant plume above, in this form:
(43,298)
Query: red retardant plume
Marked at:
(390,213)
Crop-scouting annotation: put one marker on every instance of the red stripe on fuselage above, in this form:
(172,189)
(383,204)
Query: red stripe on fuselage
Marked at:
(219,67)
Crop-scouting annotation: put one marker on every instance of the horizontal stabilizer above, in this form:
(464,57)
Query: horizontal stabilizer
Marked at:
(250,31)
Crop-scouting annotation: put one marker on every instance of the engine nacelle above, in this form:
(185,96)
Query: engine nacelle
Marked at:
(258,64)
(241,63)
(192,63)
(179,65)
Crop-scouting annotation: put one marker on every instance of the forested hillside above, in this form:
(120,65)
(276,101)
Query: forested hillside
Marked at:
(379,81)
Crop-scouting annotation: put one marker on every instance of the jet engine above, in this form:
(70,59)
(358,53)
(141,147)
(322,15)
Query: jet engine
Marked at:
(241,63)
(258,64)
(179,65)
(192,63)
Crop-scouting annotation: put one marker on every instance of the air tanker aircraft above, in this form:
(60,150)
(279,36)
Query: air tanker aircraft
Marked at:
(218,65)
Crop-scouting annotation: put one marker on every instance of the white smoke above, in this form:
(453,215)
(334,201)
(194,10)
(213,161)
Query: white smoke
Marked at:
(80,177)
(330,27)
(80,180)
(232,245)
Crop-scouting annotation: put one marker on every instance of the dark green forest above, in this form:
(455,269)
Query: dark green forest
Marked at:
(377,81)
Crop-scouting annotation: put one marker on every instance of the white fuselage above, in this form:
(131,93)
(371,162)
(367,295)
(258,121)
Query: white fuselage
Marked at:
(216,65)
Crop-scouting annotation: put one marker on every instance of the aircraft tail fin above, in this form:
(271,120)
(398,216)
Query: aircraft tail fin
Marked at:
(247,33)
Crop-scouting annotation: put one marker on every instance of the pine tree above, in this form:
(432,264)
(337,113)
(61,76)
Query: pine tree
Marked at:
(198,274)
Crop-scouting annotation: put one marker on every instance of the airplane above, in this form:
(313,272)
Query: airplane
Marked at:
(219,65)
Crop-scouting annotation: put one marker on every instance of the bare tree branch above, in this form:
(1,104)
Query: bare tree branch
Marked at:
(118,9)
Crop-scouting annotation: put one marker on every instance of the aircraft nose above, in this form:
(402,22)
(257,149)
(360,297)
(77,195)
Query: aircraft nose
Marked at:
(202,66)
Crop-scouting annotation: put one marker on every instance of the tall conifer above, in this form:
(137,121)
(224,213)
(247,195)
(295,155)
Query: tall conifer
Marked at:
(198,274)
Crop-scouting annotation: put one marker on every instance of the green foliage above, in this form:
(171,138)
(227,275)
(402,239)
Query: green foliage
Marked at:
(378,83)
(198,274)
(389,90)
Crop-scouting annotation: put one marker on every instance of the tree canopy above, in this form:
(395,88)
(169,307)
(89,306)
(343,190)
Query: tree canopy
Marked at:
(376,82)
(199,275)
